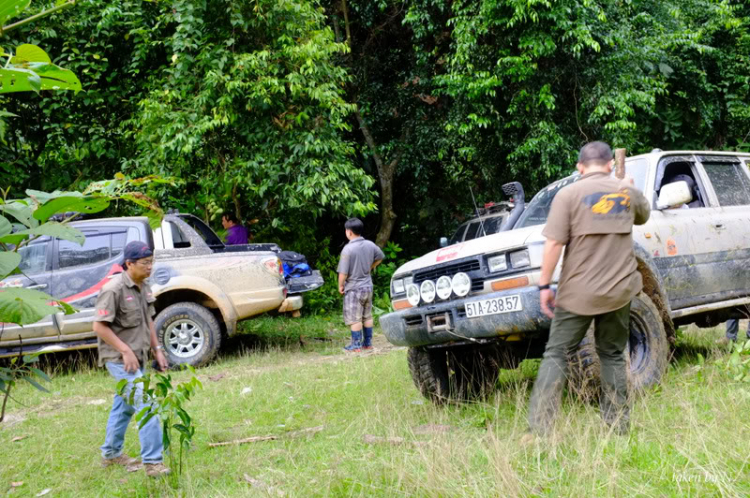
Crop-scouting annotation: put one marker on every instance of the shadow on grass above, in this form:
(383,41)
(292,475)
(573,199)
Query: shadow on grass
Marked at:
(282,333)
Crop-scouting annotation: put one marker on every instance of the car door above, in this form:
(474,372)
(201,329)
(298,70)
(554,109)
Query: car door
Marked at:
(80,272)
(730,180)
(689,238)
(35,267)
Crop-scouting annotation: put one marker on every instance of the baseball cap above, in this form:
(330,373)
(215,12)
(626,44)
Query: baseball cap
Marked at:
(136,250)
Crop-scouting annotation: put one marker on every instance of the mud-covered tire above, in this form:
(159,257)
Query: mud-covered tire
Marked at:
(189,334)
(647,353)
(445,375)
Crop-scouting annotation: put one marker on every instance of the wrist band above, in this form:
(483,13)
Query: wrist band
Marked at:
(543,287)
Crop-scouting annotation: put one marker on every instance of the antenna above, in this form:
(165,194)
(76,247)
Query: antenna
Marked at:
(476,210)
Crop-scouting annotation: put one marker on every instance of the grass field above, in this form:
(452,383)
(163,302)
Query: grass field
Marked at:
(379,437)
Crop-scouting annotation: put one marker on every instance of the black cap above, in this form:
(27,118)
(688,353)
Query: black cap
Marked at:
(136,250)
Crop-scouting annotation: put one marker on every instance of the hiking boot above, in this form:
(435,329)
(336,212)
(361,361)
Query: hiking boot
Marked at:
(123,460)
(156,469)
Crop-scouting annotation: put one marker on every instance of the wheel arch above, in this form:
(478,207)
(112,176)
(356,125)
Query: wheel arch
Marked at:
(202,293)
(653,287)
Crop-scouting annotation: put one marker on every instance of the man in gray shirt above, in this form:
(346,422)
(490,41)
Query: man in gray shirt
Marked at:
(358,259)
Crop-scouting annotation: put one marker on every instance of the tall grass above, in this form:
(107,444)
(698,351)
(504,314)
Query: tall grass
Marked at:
(688,436)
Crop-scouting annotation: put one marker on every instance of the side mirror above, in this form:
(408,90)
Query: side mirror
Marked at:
(443,241)
(674,195)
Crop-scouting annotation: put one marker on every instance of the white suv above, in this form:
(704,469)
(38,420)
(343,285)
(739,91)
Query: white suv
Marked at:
(470,308)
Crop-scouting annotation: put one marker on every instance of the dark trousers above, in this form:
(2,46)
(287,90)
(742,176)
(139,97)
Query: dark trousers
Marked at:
(611,335)
(733,327)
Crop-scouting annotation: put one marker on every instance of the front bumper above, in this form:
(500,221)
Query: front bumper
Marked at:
(445,322)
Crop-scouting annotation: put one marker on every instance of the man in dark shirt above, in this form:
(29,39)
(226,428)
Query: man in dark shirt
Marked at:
(125,327)
(236,233)
(593,220)
(358,259)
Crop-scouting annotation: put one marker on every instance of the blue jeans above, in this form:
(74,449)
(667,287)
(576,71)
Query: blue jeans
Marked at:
(119,418)
(733,327)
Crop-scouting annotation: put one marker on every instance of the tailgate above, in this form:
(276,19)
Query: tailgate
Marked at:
(305,284)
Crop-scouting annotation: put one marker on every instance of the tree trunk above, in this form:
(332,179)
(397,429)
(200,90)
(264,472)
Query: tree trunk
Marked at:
(385,174)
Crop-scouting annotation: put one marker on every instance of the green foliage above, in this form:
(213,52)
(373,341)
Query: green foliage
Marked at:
(737,364)
(252,108)
(20,368)
(166,401)
(251,102)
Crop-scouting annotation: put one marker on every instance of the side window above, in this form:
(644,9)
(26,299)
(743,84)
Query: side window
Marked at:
(33,258)
(118,243)
(679,170)
(94,250)
(731,184)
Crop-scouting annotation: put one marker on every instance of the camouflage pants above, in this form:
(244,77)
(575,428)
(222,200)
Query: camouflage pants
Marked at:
(568,329)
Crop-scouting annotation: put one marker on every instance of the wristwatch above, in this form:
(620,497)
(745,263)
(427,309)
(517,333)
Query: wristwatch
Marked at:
(543,287)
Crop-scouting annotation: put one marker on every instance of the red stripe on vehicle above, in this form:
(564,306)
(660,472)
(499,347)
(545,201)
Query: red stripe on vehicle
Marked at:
(96,288)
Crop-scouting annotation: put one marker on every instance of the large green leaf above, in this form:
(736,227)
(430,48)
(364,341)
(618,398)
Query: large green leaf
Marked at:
(56,78)
(25,306)
(5,226)
(50,229)
(11,8)
(27,53)
(14,79)
(42,197)
(37,76)
(71,204)
(9,261)
(22,211)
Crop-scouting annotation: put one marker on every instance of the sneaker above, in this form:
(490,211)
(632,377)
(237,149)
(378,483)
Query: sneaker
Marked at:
(123,460)
(156,470)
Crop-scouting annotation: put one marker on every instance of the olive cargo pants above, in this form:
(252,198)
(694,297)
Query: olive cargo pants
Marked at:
(568,329)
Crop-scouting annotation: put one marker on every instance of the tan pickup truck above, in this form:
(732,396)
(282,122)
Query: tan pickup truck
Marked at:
(470,308)
(202,287)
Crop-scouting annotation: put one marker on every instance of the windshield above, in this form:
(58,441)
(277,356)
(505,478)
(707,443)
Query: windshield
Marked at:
(538,209)
(473,228)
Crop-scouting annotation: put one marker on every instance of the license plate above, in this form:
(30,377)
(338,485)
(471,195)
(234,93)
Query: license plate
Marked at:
(494,306)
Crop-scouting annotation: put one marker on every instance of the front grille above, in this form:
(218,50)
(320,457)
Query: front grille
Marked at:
(449,270)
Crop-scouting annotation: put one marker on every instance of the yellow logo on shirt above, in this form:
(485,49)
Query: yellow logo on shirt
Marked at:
(603,203)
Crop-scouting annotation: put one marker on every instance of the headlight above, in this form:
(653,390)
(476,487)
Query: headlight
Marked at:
(461,284)
(427,290)
(398,286)
(520,259)
(497,263)
(444,287)
(412,294)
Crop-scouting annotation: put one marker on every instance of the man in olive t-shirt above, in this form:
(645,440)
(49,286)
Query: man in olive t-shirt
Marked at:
(593,220)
